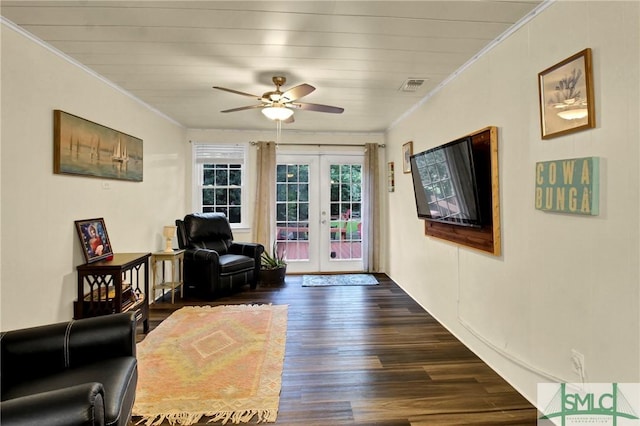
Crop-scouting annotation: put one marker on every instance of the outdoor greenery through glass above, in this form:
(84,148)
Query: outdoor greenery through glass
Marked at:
(346,211)
(222,190)
(292,208)
(346,189)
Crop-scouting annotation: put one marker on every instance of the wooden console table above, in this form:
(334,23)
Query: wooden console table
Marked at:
(112,286)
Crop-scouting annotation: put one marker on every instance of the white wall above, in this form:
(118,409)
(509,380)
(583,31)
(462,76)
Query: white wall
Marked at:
(563,282)
(39,246)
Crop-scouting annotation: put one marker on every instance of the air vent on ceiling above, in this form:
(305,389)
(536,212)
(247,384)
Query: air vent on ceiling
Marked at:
(412,84)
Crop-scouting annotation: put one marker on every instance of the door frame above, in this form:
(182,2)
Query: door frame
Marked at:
(328,264)
(315,158)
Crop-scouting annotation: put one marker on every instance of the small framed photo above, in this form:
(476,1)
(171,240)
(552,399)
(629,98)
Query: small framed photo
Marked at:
(94,239)
(391,179)
(566,96)
(407,152)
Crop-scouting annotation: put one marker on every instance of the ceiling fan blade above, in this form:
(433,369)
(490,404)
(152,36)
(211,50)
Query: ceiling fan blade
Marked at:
(317,107)
(289,120)
(297,92)
(243,108)
(237,92)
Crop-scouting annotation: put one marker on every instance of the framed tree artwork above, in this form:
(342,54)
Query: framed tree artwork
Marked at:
(566,96)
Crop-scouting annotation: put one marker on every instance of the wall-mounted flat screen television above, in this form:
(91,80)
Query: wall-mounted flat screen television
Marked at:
(445,183)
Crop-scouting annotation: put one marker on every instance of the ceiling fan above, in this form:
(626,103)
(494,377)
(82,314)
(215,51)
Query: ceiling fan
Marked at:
(278,105)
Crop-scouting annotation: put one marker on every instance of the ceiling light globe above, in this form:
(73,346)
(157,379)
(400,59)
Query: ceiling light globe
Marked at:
(277,112)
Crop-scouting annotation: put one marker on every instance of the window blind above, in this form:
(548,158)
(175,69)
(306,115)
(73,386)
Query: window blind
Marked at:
(219,153)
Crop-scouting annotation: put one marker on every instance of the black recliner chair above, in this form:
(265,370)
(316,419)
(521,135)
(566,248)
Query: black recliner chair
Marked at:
(82,372)
(214,265)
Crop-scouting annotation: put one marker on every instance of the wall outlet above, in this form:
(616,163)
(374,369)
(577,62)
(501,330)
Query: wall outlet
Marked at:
(577,363)
(106,185)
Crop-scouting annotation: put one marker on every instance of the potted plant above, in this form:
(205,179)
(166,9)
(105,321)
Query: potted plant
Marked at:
(273,267)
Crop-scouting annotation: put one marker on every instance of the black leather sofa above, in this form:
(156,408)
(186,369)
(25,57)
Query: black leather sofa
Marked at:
(215,265)
(82,372)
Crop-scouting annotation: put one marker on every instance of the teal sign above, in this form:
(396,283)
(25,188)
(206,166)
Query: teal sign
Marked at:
(568,186)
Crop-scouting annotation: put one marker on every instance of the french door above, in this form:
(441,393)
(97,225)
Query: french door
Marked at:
(319,209)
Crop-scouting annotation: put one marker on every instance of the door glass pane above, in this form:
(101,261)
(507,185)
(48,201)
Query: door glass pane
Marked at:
(346,219)
(292,210)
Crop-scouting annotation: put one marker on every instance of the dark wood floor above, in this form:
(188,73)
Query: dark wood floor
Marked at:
(370,355)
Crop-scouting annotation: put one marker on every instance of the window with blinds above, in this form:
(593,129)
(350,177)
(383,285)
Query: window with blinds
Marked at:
(219,171)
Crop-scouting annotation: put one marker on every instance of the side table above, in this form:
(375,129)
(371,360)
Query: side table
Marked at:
(176,258)
(120,284)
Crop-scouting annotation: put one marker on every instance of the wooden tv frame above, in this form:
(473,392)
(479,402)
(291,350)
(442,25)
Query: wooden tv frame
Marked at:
(486,238)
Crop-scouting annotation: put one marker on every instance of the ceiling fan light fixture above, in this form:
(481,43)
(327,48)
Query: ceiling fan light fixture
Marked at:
(278,106)
(277,112)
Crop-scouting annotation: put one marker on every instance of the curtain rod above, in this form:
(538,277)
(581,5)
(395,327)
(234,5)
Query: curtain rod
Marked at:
(381,145)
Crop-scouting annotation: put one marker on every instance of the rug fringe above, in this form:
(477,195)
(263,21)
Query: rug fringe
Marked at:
(186,419)
(236,417)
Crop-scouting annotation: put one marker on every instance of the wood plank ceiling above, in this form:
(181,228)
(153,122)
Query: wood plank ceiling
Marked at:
(357,54)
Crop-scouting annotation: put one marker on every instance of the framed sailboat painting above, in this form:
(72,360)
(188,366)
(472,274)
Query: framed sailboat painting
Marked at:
(82,147)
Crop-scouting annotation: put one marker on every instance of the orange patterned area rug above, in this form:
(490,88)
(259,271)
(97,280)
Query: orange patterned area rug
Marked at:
(222,362)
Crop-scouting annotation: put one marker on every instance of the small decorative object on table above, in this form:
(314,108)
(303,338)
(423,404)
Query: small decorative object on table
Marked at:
(94,239)
(169,232)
